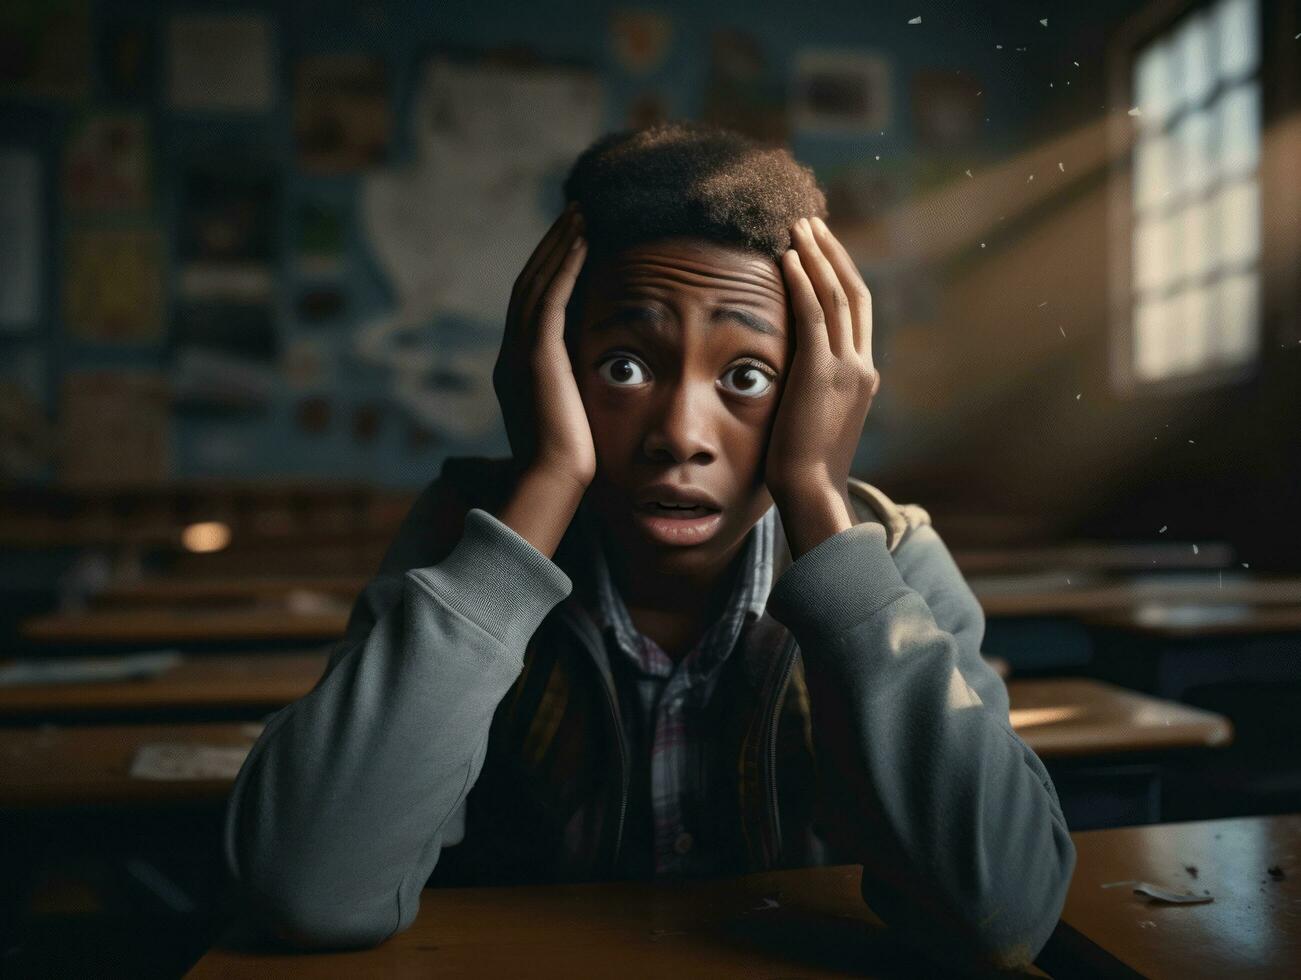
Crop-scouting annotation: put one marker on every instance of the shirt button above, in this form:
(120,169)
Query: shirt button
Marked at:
(683,843)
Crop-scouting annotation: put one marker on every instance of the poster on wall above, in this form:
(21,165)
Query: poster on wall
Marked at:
(23,243)
(839,92)
(224,356)
(45,49)
(220,62)
(640,39)
(947,109)
(127,54)
(115,428)
(341,113)
(106,167)
(113,284)
(227,228)
(451,230)
(742,91)
(26,434)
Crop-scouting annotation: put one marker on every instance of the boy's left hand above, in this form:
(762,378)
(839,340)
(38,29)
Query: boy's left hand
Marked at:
(827,392)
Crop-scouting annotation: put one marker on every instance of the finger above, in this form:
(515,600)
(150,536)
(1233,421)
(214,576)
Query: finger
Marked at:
(831,294)
(551,309)
(860,297)
(546,271)
(810,323)
(541,253)
(547,244)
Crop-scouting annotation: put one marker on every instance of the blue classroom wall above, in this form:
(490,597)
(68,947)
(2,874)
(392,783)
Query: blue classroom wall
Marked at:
(404,34)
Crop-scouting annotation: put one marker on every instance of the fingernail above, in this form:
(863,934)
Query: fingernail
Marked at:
(577,243)
(805,223)
(822,225)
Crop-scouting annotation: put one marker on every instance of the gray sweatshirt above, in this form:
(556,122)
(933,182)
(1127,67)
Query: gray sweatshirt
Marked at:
(342,808)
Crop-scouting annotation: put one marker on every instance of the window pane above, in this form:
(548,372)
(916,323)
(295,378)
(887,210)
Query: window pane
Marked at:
(1194,72)
(1238,317)
(1193,347)
(1193,135)
(1236,37)
(1196,249)
(1150,339)
(1237,220)
(1239,123)
(1154,266)
(1153,87)
(1152,178)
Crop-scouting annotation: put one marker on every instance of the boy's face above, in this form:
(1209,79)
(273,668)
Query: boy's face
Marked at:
(680,354)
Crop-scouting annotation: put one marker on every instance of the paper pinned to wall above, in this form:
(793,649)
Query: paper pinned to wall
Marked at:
(22,244)
(452,230)
(219,61)
(113,284)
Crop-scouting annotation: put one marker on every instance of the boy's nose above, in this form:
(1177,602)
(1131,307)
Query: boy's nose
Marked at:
(681,430)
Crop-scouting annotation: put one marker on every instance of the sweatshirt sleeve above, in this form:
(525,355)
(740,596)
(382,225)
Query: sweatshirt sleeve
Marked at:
(965,852)
(337,817)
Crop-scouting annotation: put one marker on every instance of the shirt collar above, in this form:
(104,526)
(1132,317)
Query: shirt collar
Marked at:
(748,599)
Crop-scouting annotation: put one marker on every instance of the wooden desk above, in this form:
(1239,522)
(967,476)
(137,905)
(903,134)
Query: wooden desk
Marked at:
(176,625)
(1052,595)
(189,590)
(1252,929)
(1183,620)
(269,680)
(90,765)
(1075,717)
(819,926)
(810,922)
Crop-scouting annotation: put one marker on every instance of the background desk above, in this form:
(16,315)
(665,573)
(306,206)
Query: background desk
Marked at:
(206,682)
(60,766)
(177,625)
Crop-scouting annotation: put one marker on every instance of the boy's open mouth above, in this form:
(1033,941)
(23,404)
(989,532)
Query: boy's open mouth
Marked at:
(680,511)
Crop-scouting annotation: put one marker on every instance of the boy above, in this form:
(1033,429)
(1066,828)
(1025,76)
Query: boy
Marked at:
(670,635)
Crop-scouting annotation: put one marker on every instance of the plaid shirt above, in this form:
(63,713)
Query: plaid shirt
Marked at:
(661,704)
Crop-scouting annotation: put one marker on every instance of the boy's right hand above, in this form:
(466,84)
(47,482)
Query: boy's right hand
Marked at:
(544,415)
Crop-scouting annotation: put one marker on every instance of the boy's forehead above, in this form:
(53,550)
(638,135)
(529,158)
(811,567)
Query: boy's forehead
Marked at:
(687,266)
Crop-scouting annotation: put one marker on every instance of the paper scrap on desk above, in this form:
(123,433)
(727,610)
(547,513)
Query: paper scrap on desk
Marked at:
(180,760)
(81,670)
(1174,898)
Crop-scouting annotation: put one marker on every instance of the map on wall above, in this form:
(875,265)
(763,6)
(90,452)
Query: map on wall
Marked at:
(452,228)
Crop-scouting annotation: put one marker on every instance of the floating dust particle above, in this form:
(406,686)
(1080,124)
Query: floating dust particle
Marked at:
(1044,21)
(1163,529)
(1135,111)
(1195,551)
(1059,327)
(1059,163)
(916,20)
(967,172)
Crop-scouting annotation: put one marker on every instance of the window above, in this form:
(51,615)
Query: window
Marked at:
(1192,282)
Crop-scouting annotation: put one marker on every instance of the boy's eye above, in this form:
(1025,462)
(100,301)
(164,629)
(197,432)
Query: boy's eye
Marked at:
(624,371)
(749,380)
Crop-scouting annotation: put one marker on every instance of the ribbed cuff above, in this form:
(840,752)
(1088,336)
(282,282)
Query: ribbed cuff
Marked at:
(496,579)
(837,584)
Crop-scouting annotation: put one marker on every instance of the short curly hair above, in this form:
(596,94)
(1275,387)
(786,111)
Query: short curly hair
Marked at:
(691,179)
(686,179)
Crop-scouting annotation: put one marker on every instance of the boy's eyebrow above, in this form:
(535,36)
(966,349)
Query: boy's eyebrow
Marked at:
(656,319)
